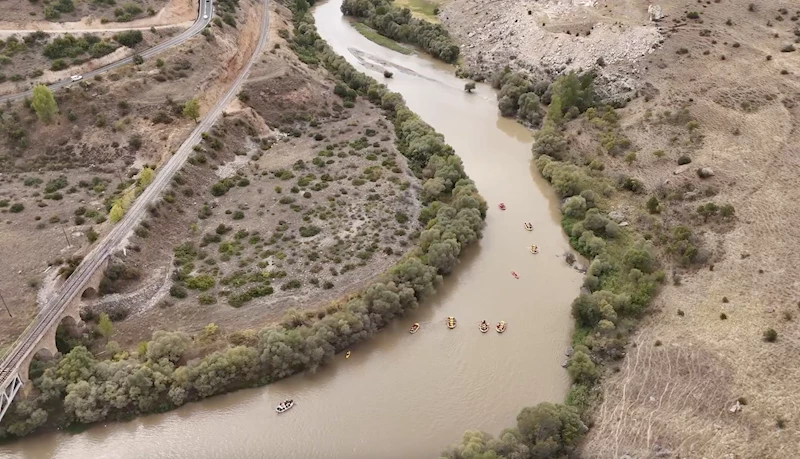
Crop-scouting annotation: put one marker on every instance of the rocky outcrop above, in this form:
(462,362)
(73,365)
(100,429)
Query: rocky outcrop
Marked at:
(551,37)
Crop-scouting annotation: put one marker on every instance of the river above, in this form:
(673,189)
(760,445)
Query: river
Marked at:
(401,395)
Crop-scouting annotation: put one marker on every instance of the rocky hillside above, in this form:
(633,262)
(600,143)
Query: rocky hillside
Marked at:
(549,37)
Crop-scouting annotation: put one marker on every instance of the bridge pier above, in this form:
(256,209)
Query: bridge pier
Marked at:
(48,340)
(16,380)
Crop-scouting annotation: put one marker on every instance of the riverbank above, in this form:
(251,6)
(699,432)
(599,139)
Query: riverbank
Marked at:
(387,371)
(624,273)
(705,153)
(451,200)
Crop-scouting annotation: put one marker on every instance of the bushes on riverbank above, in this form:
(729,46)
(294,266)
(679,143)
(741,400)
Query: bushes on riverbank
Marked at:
(544,431)
(620,281)
(566,98)
(398,24)
(161,375)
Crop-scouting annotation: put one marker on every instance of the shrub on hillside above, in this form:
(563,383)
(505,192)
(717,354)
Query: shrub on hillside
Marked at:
(129,38)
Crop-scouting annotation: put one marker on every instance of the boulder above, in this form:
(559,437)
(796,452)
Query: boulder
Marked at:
(654,11)
(705,172)
(736,407)
(681,169)
(616,216)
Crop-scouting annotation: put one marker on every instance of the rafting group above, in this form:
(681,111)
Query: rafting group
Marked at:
(534,249)
(500,327)
(451,324)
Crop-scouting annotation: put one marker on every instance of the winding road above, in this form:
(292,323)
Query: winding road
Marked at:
(203,19)
(50,314)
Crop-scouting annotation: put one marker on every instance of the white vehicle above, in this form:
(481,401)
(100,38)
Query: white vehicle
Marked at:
(205,16)
(76,77)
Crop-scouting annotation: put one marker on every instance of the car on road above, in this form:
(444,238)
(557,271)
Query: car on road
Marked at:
(76,77)
(205,16)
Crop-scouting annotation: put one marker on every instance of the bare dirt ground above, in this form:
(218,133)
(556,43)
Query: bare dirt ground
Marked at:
(27,15)
(551,36)
(107,129)
(722,91)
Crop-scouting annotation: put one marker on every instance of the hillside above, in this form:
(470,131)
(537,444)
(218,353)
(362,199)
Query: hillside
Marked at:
(61,178)
(296,197)
(712,123)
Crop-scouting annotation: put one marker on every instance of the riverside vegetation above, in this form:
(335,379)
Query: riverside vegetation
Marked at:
(80,388)
(398,24)
(624,273)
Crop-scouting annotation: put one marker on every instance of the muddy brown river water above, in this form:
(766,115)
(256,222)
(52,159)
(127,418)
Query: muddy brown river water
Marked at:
(401,395)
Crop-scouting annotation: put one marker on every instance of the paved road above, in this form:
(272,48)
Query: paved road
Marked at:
(50,314)
(203,18)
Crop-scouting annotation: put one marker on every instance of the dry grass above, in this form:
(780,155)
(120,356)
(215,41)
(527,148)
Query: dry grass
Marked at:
(673,400)
(748,117)
(661,390)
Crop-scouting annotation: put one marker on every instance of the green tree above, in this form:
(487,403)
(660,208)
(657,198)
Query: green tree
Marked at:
(138,59)
(104,326)
(146,177)
(469,87)
(549,141)
(555,113)
(191,109)
(574,207)
(550,430)
(44,103)
(169,345)
(116,213)
(530,108)
(581,368)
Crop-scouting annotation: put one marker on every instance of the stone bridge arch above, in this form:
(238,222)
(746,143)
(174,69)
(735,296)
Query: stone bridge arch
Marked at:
(89,293)
(72,314)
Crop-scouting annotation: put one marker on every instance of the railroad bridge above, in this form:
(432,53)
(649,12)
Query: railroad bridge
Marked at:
(41,334)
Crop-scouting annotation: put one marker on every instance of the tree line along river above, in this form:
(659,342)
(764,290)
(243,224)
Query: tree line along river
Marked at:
(401,395)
